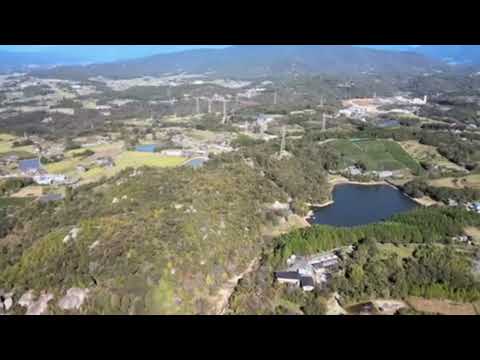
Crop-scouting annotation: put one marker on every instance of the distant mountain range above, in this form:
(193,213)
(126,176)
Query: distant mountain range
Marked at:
(23,61)
(260,60)
(452,54)
(22,58)
(241,61)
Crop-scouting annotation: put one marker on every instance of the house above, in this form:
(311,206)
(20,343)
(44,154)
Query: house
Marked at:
(172,152)
(354,171)
(476,207)
(385,174)
(49,179)
(105,161)
(82,168)
(45,199)
(307,283)
(288,277)
(452,202)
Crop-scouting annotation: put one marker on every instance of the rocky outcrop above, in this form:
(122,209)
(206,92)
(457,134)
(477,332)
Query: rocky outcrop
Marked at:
(38,307)
(27,299)
(74,299)
(71,236)
(6,301)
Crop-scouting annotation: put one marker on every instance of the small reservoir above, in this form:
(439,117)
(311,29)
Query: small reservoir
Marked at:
(356,205)
(150,148)
(29,165)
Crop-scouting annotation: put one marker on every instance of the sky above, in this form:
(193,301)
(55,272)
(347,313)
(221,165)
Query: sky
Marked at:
(108,53)
(102,53)
(163,48)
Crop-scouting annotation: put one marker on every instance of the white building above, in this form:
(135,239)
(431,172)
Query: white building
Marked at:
(50,179)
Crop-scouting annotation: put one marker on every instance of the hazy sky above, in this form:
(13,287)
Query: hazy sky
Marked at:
(108,53)
(165,48)
(102,53)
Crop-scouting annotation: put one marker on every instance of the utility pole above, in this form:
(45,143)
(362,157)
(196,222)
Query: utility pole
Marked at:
(209,106)
(324,121)
(224,120)
(275,98)
(322,102)
(197,100)
(282,144)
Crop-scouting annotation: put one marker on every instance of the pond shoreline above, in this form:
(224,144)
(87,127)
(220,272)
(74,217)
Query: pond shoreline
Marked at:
(344,181)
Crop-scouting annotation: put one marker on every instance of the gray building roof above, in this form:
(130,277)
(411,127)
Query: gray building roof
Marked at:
(290,275)
(49,198)
(307,281)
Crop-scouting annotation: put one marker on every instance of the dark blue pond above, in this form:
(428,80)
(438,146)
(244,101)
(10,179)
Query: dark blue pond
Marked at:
(360,205)
(146,148)
(29,164)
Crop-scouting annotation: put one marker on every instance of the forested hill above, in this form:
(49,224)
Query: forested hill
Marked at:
(260,60)
(156,241)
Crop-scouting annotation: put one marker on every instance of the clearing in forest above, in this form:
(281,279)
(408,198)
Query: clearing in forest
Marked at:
(469,181)
(377,155)
(429,154)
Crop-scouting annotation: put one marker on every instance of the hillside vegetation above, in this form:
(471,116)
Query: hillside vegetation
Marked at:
(158,242)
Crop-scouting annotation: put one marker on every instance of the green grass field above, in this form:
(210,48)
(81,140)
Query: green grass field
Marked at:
(375,154)
(6,148)
(134,160)
(403,251)
(137,159)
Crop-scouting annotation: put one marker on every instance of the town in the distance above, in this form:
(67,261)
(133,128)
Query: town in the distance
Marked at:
(259,180)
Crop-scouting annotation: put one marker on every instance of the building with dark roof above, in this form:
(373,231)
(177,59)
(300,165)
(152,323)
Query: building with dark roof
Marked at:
(45,199)
(307,283)
(288,277)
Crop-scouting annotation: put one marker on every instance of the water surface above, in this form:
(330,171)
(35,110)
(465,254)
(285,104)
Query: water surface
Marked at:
(146,148)
(360,205)
(29,164)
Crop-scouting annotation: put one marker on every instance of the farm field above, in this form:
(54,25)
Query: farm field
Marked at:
(469,181)
(6,148)
(427,153)
(134,160)
(374,154)
(443,307)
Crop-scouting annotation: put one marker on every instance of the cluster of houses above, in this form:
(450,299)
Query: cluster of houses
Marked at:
(354,170)
(308,272)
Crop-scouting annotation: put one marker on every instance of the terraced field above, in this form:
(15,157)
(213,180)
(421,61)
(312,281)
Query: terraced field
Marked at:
(374,154)
(428,153)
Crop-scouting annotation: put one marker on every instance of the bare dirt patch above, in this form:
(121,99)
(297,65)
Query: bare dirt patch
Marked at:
(29,191)
(474,232)
(442,307)
(471,181)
